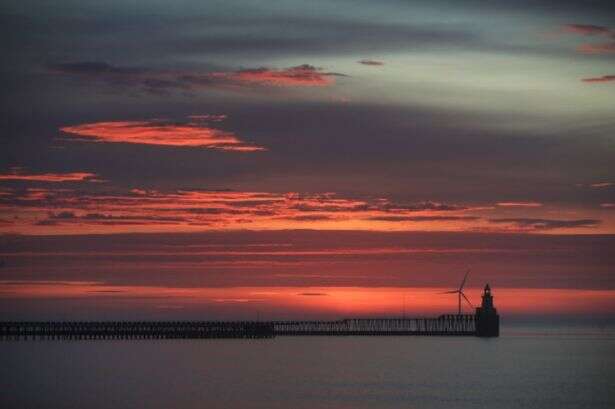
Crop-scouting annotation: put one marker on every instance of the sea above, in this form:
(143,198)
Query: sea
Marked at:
(529,367)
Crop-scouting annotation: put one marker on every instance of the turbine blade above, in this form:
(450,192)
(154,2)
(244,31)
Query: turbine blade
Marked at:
(464,280)
(450,292)
(466,298)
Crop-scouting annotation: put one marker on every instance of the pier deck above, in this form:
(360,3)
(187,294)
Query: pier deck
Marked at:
(444,325)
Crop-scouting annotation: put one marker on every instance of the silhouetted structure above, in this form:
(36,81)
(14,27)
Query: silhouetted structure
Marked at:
(445,325)
(484,323)
(136,330)
(487,318)
(460,293)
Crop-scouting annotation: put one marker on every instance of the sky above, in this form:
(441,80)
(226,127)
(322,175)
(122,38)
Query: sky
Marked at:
(323,158)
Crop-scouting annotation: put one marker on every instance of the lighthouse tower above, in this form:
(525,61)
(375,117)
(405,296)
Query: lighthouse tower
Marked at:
(487,318)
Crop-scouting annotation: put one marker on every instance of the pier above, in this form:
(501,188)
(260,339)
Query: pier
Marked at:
(449,325)
(458,325)
(135,330)
(484,323)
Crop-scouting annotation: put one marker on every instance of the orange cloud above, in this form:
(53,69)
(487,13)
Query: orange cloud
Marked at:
(519,204)
(65,211)
(18,174)
(161,133)
(300,76)
(61,210)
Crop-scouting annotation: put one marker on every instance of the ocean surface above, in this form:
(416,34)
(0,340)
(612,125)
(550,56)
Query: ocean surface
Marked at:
(524,368)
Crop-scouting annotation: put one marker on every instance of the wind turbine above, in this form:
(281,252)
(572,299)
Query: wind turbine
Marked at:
(460,293)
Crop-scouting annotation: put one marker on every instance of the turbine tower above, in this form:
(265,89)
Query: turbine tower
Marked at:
(460,293)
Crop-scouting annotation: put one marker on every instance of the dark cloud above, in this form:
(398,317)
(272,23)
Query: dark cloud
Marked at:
(315,206)
(102,216)
(157,80)
(440,207)
(313,294)
(421,218)
(309,217)
(46,222)
(54,219)
(587,29)
(370,62)
(106,291)
(546,224)
(66,215)
(93,68)
(604,78)
(325,205)
(120,77)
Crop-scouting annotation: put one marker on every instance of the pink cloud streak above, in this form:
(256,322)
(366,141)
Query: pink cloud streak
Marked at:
(18,174)
(161,133)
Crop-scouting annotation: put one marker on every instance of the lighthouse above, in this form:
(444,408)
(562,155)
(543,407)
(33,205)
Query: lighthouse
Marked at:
(487,318)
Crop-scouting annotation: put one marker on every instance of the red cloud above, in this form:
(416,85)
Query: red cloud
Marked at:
(160,133)
(604,78)
(586,29)
(602,48)
(16,174)
(592,30)
(300,76)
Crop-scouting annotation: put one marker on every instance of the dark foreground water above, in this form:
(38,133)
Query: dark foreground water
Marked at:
(522,369)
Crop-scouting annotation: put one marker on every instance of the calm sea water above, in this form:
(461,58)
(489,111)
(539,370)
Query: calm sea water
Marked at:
(521,369)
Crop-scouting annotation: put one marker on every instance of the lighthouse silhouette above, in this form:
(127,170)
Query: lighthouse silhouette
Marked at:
(487,318)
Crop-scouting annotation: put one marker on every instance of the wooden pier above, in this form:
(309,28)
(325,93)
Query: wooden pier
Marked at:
(445,325)
(135,330)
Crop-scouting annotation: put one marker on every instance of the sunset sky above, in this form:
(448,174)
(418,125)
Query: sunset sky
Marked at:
(223,159)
